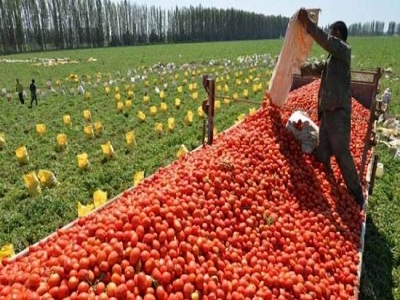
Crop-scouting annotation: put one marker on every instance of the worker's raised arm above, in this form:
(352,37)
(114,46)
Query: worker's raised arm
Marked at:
(335,46)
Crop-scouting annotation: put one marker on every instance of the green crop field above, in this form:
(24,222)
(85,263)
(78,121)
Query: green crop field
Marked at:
(176,70)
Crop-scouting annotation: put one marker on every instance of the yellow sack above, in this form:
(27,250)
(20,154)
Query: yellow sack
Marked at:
(67,120)
(130,139)
(226,89)
(87,96)
(2,142)
(190,87)
(200,112)
(177,103)
(141,116)
(107,90)
(61,139)
(88,130)
(240,118)
(181,151)
(128,105)
(158,128)
(83,161)
(83,210)
(217,104)
(117,89)
(255,88)
(7,251)
(238,82)
(117,97)
(171,124)
(87,115)
(195,84)
(47,178)
(131,94)
(180,89)
(153,110)
(32,184)
(162,94)
(252,111)
(219,88)
(246,93)
(260,87)
(195,95)
(235,96)
(189,118)
(108,150)
(227,101)
(22,155)
(120,106)
(41,129)
(163,106)
(138,177)
(146,99)
(98,128)
(99,198)
(73,77)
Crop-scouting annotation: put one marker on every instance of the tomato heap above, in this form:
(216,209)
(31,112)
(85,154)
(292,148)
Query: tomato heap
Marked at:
(250,217)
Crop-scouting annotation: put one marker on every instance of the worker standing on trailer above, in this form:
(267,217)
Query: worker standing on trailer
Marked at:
(334,103)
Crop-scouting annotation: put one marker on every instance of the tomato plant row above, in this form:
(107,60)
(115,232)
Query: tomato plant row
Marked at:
(250,217)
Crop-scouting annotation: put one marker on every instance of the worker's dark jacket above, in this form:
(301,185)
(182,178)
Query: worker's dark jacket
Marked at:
(335,92)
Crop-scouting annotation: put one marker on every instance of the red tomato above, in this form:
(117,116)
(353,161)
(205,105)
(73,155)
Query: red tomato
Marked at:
(72,283)
(54,280)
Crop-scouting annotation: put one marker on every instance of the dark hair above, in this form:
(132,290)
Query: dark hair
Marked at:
(341,27)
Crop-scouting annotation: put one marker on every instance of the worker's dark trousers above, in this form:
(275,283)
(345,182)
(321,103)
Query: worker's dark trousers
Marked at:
(21,98)
(334,139)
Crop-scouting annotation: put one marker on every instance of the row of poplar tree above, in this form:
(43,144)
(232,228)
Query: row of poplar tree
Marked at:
(39,25)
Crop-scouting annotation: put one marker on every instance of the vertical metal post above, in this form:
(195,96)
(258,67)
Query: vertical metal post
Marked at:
(373,172)
(370,136)
(211,103)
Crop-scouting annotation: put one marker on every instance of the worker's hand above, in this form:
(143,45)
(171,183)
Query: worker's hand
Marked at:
(303,17)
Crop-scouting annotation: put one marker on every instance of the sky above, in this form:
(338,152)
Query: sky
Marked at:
(350,11)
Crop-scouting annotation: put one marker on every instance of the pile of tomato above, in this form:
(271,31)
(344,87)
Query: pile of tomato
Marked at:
(250,217)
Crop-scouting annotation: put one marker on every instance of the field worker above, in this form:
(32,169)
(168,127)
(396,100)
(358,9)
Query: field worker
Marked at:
(32,87)
(20,90)
(334,103)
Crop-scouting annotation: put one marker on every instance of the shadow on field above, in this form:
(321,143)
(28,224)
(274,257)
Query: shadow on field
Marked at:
(376,276)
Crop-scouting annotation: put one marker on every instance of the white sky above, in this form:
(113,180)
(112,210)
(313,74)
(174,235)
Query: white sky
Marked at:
(349,11)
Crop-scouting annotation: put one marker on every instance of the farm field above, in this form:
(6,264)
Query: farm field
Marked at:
(238,66)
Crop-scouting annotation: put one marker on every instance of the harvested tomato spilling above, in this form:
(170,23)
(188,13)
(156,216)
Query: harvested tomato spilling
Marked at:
(250,217)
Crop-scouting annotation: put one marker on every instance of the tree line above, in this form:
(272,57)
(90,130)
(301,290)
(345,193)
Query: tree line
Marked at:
(374,28)
(40,25)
